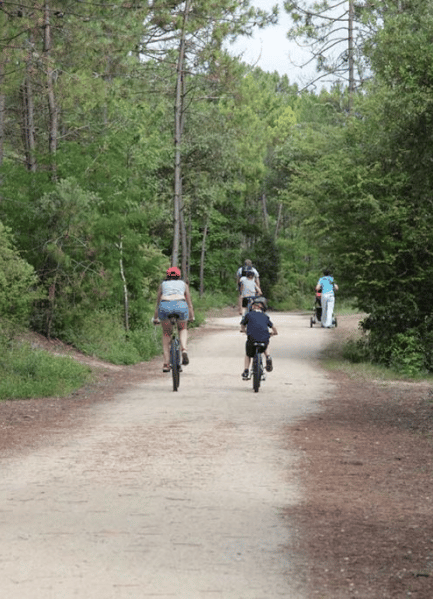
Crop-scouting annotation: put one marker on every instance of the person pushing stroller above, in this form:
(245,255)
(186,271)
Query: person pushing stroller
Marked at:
(326,286)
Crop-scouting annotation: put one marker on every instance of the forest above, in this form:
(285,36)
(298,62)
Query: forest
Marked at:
(132,140)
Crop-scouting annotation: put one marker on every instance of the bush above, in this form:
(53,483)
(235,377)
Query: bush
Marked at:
(356,351)
(102,334)
(209,301)
(146,341)
(400,337)
(18,286)
(407,354)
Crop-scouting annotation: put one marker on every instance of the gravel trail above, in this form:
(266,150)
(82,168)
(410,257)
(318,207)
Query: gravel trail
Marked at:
(170,495)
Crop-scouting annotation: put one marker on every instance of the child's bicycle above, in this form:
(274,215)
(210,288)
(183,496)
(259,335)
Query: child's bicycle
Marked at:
(257,372)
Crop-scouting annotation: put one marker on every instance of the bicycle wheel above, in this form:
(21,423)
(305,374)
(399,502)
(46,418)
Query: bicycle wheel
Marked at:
(175,363)
(256,371)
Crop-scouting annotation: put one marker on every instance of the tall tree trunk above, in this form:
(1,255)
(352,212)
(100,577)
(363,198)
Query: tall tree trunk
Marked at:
(351,56)
(2,115)
(189,245)
(52,106)
(28,123)
(203,256)
(125,287)
(278,225)
(184,258)
(178,126)
(265,213)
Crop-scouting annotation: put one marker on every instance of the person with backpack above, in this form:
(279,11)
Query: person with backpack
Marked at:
(242,272)
(248,290)
(327,285)
(256,325)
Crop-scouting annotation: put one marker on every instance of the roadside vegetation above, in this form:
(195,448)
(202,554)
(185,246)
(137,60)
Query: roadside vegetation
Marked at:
(101,189)
(350,353)
(26,372)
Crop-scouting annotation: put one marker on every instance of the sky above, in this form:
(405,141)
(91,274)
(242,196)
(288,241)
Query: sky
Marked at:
(270,49)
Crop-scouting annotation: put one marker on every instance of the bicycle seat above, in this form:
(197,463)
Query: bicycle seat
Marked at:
(173,315)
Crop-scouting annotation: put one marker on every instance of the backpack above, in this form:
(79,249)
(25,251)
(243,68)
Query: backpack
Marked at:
(246,270)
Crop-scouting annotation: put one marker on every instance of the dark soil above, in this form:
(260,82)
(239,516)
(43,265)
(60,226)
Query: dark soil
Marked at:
(367,521)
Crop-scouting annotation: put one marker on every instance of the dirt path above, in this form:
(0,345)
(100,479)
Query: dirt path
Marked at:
(162,494)
(321,485)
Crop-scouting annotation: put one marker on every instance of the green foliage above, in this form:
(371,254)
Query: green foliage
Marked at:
(101,334)
(283,178)
(376,191)
(403,353)
(407,354)
(18,285)
(26,373)
(204,305)
(356,351)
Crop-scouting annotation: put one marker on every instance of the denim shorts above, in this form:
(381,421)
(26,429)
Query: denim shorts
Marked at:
(179,307)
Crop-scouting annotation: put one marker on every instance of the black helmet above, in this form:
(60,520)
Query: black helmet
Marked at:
(260,300)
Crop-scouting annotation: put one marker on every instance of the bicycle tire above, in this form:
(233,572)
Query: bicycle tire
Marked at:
(256,371)
(175,363)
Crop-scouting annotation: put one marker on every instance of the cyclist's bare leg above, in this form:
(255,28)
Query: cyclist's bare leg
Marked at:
(247,363)
(166,338)
(183,334)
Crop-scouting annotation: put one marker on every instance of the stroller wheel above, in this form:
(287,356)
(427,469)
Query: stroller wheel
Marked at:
(311,322)
(335,322)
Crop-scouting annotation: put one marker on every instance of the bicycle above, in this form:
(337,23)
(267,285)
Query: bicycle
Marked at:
(175,365)
(174,353)
(257,372)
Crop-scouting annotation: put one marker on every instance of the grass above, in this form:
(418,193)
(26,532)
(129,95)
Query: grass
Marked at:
(208,302)
(28,373)
(101,334)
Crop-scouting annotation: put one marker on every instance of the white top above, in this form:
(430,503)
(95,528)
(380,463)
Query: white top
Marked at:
(248,287)
(173,287)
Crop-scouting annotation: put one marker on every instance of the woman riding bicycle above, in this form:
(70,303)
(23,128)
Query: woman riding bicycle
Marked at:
(173,298)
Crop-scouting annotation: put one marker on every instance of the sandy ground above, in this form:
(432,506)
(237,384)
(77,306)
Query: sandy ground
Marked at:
(159,494)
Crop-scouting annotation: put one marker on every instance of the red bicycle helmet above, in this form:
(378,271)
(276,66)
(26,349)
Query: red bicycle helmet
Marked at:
(173,271)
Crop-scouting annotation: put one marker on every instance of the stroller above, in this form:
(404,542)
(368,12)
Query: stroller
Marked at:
(317,311)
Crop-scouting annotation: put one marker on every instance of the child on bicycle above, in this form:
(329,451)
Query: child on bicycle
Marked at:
(256,325)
